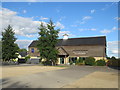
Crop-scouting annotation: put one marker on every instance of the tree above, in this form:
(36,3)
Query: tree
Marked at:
(113,58)
(9,47)
(22,50)
(48,38)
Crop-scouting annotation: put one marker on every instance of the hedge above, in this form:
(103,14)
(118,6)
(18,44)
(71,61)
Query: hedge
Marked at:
(114,63)
(100,62)
(90,61)
(80,61)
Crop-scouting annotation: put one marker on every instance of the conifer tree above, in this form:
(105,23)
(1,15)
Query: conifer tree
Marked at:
(48,38)
(9,47)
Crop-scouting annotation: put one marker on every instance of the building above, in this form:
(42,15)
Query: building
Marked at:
(21,56)
(73,48)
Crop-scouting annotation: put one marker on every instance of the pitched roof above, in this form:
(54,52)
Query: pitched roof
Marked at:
(100,40)
(23,54)
(62,51)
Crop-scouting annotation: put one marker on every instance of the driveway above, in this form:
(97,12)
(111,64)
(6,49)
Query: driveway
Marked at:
(63,77)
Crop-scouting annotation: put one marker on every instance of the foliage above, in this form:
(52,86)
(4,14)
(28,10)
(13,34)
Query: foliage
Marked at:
(45,63)
(27,57)
(100,62)
(71,62)
(90,61)
(80,61)
(22,50)
(9,48)
(48,38)
(114,62)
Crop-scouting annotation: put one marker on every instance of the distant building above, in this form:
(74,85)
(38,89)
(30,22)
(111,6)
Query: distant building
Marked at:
(73,48)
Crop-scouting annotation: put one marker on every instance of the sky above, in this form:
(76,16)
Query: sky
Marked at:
(77,19)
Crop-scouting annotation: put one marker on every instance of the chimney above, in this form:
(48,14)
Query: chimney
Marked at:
(65,36)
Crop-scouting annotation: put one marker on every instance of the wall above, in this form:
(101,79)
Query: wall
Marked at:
(35,54)
(93,51)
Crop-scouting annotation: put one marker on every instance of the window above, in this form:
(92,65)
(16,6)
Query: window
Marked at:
(73,59)
(32,50)
(80,51)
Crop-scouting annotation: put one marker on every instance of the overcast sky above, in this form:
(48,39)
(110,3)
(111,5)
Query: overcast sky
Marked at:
(78,19)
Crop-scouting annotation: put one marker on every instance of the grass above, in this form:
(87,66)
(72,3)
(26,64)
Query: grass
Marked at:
(61,66)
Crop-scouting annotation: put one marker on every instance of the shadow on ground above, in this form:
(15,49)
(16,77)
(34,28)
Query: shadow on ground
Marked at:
(117,68)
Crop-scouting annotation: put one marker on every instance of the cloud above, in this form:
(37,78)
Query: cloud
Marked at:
(23,43)
(59,25)
(114,28)
(105,31)
(86,18)
(107,6)
(92,11)
(113,49)
(82,22)
(22,26)
(117,18)
(61,18)
(74,25)
(91,29)
(43,18)
(24,11)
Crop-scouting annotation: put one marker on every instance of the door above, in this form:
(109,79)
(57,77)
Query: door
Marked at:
(62,60)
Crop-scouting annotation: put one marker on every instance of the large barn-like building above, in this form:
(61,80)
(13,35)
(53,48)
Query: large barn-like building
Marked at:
(73,48)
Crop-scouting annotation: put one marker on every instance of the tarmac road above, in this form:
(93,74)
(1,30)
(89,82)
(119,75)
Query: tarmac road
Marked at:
(53,79)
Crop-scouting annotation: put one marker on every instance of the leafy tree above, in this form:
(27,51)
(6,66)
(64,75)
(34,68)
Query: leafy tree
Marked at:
(113,58)
(9,48)
(22,50)
(48,38)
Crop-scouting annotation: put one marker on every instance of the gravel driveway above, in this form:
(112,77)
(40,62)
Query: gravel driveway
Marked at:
(54,78)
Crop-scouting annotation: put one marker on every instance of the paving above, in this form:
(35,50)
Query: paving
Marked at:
(64,77)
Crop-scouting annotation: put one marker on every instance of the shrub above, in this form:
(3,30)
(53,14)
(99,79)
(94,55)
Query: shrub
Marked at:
(45,63)
(114,63)
(71,62)
(100,62)
(27,57)
(90,61)
(79,61)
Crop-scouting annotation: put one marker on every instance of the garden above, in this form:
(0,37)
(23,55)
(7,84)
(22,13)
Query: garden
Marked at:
(92,62)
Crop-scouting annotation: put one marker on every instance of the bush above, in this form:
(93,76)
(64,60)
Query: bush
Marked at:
(71,62)
(90,61)
(80,61)
(100,62)
(26,58)
(45,63)
(114,63)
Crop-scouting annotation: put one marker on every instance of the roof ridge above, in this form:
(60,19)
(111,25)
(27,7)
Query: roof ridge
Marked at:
(82,37)
(87,37)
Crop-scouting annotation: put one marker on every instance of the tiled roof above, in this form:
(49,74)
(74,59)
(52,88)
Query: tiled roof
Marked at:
(100,40)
